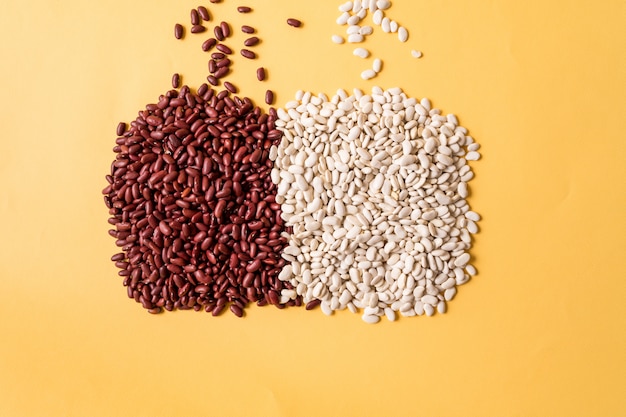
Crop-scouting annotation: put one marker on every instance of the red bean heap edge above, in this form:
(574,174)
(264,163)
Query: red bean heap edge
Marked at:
(193,206)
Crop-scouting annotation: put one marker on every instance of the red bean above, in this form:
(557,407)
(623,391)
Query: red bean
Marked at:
(237,311)
(247,29)
(260,74)
(224,49)
(209,44)
(219,35)
(251,41)
(175,80)
(269,97)
(121,128)
(178,31)
(195,17)
(294,22)
(224,62)
(244,9)
(225,29)
(197,29)
(230,87)
(248,53)
(204,13)
(221,72)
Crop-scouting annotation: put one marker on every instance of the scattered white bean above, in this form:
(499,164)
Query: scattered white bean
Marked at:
(355,38)
(361,52)
(377,65)
(403,34)
(368,74)
(337,39)
(416,54)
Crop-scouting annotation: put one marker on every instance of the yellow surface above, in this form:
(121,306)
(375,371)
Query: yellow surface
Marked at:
(539,332)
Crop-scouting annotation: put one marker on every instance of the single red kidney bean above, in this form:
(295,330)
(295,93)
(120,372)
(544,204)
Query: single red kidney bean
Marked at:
(225,29)
(178,31)
(269,97)
(273,296)
(195,17)
(197,29)
(121,128)
(212,80)
(248,53)
(221,72)
(247,29)
(219,34)
(237,311)
(175,80)
(251,41)
(224,62)
(230,87)
(212,66)
(253,266)
(204,13)
(224,49)
(209,44)
(217,55)
(244,9)
(260,73)
(294,22)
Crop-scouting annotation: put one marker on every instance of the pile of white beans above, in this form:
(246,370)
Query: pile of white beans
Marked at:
(374,186)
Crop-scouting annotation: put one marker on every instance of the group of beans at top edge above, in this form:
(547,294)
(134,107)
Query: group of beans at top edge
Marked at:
(352,13)
(219,64)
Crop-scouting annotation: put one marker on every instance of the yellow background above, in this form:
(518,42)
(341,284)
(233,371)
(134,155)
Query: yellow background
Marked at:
(539,332)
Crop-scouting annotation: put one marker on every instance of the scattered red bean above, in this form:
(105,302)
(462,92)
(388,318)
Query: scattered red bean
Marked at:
(175,80)
(260,73)
(247,29)
(248,53)
(294,22)
(212,80)
(251,41)
(230,87)
(269,97)
(225,29)
(223,48)
(195,17)
(193,206)
(221,72)
(197,29)
(215,1)
(212,66)
(209,44)
(178,31)
(204,13)
(219,35)
(244,9)
(121,128)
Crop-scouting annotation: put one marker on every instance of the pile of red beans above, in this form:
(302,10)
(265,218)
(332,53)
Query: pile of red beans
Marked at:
(193,206)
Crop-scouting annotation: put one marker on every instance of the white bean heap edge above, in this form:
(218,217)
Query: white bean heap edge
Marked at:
(353,12)
(374,186)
